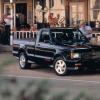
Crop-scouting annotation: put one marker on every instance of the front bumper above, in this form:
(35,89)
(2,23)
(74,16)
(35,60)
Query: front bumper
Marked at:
(79,64)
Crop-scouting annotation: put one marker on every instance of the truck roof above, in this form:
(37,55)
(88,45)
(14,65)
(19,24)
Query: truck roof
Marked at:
(59,28)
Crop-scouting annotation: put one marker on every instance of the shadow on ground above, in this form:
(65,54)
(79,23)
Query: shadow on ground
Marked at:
(49,70)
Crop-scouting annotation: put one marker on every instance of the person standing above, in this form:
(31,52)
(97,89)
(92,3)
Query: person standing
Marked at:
(52,20)
(86,30)
(82,28)
(6,34)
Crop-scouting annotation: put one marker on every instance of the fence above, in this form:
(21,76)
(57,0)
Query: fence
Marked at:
(96,34)
(23,34)
(95,40)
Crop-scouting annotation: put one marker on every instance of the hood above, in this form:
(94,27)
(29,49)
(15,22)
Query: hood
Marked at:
(74,47)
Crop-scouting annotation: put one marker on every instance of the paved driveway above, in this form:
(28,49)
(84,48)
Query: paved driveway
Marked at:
(88,82)
(11,68)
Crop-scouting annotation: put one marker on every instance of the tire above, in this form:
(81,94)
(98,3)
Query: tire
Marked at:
(23,61)
(60,66)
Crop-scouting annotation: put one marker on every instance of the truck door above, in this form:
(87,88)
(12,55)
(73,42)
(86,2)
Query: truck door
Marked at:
(44,49)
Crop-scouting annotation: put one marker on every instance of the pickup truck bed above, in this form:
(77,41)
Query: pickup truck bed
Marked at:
(24,41)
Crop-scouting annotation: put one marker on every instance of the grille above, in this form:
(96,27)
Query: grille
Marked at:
(86,55)
(97,54)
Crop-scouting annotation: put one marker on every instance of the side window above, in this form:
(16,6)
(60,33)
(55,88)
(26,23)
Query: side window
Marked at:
(44,37)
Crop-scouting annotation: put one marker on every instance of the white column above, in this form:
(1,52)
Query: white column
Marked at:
(14,20)
(11,27)
(47,3)
(48,8)
(33,11)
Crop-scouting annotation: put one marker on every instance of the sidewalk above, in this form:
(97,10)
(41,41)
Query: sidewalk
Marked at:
(5,48)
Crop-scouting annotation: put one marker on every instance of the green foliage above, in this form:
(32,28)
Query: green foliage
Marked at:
(34,91)
(61,96)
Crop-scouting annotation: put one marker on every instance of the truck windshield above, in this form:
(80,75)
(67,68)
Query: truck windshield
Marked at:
(67,37)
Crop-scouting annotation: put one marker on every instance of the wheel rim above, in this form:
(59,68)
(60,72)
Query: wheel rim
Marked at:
(22,61)
(60,67)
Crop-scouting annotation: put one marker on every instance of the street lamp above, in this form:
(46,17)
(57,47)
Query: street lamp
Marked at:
(44,10)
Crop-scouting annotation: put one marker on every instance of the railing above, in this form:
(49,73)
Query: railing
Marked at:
(95,40)
(23,34)
(96,34)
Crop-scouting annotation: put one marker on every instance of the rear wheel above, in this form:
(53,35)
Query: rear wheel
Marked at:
(60,66)
(23,61)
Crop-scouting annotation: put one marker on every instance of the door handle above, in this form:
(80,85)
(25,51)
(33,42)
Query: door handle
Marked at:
(38,44)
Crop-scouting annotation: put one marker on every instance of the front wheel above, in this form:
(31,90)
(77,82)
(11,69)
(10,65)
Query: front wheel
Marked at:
(60,66)
(23,61)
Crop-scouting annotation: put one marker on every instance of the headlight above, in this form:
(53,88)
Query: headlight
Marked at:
(75,55)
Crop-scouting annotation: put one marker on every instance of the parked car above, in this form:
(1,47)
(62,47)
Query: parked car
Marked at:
(64,49)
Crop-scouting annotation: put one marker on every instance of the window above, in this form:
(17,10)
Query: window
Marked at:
(95,10)
(77,13)
(42,2)
(62,2)
(51,3)
(66,36)
(7,9)
(44,37)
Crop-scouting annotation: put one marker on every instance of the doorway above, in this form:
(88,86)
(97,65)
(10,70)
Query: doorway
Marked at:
(21,14)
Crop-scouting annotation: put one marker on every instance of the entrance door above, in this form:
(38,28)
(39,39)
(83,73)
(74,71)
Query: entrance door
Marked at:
(77,13)
(21,14)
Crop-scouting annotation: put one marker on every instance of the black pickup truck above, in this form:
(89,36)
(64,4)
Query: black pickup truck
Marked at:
(62,48)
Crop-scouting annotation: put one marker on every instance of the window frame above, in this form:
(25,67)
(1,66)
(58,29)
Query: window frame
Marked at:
(42,34)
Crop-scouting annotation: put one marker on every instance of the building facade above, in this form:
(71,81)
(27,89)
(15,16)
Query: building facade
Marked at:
(21,8)
(70,12)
